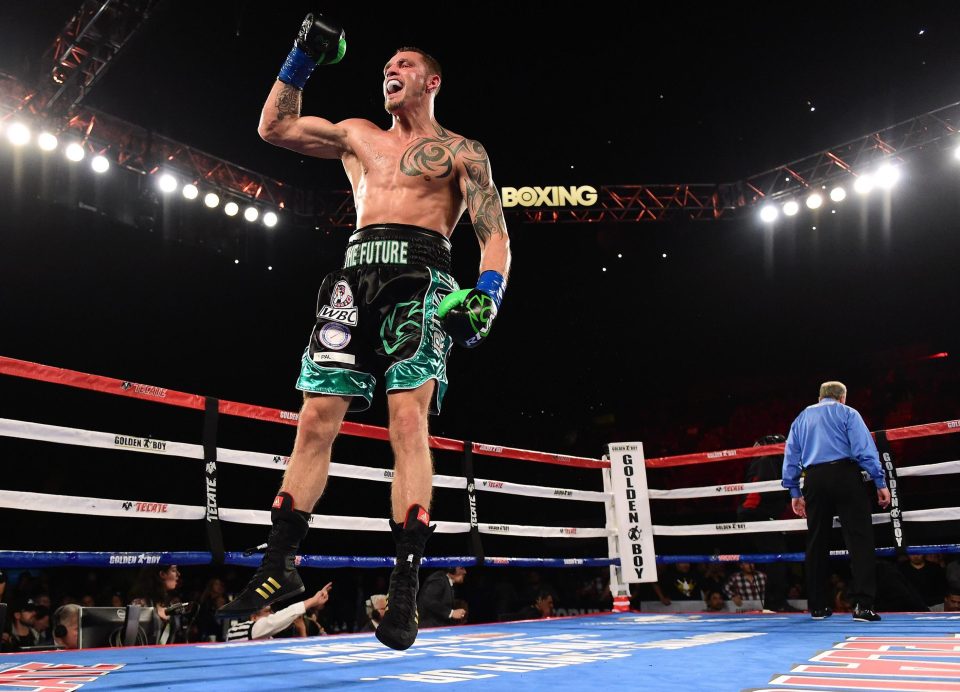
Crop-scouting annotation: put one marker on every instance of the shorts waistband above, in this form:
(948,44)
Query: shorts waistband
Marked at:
(397,243)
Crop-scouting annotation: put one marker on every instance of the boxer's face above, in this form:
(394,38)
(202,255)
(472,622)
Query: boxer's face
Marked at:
(406,81)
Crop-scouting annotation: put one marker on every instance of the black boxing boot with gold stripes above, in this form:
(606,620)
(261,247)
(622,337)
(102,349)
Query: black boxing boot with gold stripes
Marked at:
(276,580)
(400,623)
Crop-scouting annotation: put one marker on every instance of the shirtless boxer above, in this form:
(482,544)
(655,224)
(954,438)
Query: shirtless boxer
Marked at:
(393,308)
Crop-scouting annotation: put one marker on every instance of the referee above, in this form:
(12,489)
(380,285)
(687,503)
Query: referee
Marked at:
(829,443)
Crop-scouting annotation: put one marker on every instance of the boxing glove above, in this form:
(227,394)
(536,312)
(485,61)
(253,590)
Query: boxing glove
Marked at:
(320,42)
(467,315)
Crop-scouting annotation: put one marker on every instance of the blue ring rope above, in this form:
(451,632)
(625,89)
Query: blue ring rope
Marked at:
(36,558)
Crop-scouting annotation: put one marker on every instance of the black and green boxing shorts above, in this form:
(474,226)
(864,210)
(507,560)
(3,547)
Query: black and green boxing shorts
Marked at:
(379,315)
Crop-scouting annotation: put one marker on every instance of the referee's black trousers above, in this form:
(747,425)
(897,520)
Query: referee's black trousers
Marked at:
(837,488)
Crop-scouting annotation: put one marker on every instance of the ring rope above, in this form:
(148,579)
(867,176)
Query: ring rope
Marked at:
(132,443)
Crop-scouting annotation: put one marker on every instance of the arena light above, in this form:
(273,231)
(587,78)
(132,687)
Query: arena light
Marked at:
(231,208)
(863,184)
(190,191)
(211,199)
(47,141)
(75,152)
(270,219)
(100,164)
(814,200)
(251,214)
(956,152)
(791,208)
(18,134)
(887,176)
(838,194)
(768,213)
(167,183)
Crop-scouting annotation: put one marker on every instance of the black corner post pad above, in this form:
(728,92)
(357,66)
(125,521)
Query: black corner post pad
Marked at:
(211,418)
(896,506)
(476,545)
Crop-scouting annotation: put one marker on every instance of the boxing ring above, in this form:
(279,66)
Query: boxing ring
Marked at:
(712,651)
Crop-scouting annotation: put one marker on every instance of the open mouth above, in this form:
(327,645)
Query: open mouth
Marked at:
(393,86)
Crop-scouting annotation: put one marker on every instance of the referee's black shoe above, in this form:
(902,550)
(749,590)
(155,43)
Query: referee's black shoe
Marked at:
(276,580)
(820,613)
(865,614)
(400,623)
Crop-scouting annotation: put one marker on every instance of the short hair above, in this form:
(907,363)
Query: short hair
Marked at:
(833,389)
(433,65)
(378,600)
(66,613)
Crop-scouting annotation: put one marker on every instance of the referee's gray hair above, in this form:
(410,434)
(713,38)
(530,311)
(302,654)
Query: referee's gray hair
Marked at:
(833,389)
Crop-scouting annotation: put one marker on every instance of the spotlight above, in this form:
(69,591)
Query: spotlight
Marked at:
(167,183)
(47,141)
(956,152)
(791,208)
(100,163)
(236,261)
(815,200)
(18,134)
(768,213)
(190,191)
(838,194)
(75,152)
(231,208)
(270,219)
(863,184)
(887,176)
(211,200)
(251,214)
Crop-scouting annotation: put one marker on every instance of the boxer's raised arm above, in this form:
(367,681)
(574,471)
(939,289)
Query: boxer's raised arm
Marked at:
(319,42)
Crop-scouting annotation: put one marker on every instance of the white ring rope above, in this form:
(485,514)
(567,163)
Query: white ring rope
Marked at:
(104,440)
(96,506)
(939,514)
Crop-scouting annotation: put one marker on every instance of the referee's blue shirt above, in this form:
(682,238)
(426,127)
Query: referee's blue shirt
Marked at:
(828,431)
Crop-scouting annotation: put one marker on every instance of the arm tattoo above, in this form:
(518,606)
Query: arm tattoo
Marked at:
(432,156)
(288,102)
(482,198)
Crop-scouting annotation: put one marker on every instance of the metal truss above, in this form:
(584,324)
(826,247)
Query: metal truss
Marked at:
(855,157)
(84,49)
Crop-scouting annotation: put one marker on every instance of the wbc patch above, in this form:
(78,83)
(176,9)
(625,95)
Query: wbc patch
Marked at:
(341,308)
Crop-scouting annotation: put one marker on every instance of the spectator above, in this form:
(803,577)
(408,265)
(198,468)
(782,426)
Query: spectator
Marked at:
(208,629)
(66,626)
(23,615)
(713,579)
(156,586)
(264,624)
(87,601)
(746,585)
(952,573)
(42,625)
(435,601)
(715,602)
(3,584)
(542,607)
(375,612)
(951,602)
(678,583)
(926,577)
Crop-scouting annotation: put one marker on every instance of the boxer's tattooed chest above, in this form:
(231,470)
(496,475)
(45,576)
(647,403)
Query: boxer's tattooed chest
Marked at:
(432,157)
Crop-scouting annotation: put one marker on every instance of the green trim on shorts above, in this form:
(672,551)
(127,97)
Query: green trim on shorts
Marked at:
(429,362)
(335,381)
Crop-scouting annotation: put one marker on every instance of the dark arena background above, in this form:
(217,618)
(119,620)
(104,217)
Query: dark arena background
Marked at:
(711,211)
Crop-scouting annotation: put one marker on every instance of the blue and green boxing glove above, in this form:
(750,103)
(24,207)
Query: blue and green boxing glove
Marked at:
(320,42)
(467,315)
